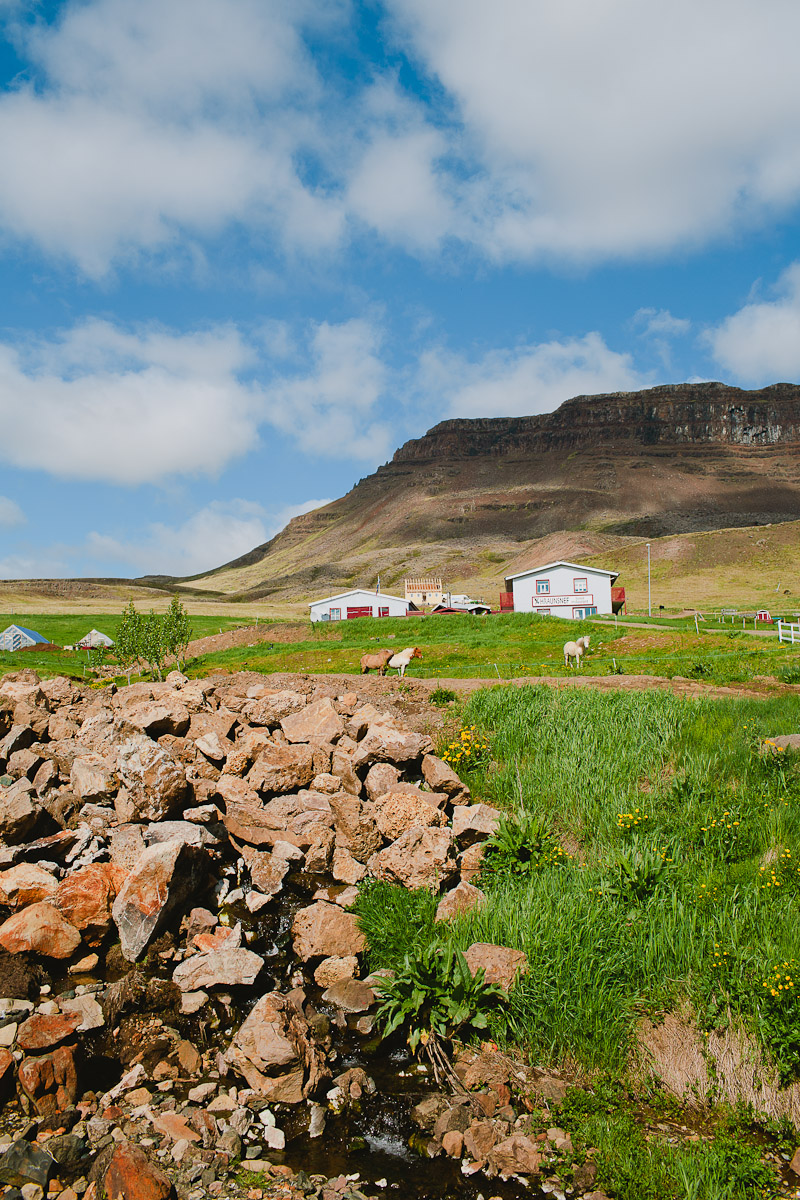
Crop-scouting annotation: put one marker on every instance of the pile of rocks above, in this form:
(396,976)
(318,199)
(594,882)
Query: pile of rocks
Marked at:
(173,822)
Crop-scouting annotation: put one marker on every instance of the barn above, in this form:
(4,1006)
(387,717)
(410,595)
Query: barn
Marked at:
(360,603)
(563,589)
(17,637)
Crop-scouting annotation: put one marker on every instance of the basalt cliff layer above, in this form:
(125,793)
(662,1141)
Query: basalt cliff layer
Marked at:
(472,493)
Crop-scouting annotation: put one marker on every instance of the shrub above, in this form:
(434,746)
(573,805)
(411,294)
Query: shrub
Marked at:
(520,845)
(442,696)
(433,994)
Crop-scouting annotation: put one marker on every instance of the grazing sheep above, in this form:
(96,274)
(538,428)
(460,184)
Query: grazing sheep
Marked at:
(375,662)
(576,650)
(402,659)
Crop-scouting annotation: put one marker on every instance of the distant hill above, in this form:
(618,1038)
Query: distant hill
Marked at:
(474,499)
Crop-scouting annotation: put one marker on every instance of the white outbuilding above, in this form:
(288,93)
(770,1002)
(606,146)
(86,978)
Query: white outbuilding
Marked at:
(93,640)
(17,637)
(360,603)
(563,589)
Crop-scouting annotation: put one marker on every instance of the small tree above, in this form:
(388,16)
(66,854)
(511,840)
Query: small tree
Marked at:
(128,642)
(177,631)
(152,644)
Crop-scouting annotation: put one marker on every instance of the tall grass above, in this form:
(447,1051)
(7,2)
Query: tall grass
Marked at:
(683,879)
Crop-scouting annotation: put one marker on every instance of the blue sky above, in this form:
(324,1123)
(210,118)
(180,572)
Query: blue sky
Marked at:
(249,247)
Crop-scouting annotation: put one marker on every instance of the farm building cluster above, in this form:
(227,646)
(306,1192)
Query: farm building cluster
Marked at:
(17,637)
(556,589)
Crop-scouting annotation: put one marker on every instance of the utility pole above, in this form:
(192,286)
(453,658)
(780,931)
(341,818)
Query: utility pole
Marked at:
(649,599)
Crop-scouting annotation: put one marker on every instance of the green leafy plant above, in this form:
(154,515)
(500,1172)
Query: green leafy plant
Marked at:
(442,696)
(520,845)
(177,631)
(635,875)
(434,995)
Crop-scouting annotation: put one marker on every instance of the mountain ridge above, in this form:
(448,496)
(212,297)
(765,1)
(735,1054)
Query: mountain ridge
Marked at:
(470,493)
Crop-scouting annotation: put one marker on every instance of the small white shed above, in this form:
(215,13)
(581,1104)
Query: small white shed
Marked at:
(360,603)
(17,637)
(93,640)
(562,589)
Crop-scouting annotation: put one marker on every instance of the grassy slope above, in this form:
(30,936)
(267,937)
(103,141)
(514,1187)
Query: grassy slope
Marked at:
(726,568)
(672,796)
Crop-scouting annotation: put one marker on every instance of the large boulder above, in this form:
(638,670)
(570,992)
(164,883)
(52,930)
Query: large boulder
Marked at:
(42,929)
(51,1081)
(517,1155)
(274,1037)
(130,1175)
(19,811)
(26,884)
(155,782)
(420,857)
(324,930)
(164,878)
(386,742)
(270,709)
(380,778)
(474,822)
(356,829)
(85,898)
(317,722)
(397,811)
(282,768)
(500,964)
(440,777)
(218,968)
(267,870)
(93,777)
(167,714)
(463,899)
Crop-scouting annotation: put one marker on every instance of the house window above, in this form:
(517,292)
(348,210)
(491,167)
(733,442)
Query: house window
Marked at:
(383,612)
(579,585)
(542,587)
(336,614)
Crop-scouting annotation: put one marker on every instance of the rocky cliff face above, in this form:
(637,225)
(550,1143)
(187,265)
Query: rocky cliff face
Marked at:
(673,459)
(676,414)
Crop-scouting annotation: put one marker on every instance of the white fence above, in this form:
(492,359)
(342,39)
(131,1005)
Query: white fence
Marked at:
(788,632)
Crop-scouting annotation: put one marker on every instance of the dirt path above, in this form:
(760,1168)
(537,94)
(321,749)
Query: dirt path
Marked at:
(411,690)
(250,635)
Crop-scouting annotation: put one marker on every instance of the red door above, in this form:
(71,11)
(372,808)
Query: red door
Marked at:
(359,612)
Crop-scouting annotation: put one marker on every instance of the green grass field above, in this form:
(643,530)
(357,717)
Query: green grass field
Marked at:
(505,646)
(675,890)
(514,645)
(65,630)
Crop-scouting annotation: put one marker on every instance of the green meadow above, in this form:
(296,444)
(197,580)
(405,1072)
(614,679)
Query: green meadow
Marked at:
(664,879)
(512,645)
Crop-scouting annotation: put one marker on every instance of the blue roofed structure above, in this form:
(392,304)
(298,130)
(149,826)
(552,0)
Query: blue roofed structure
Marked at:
(17,637)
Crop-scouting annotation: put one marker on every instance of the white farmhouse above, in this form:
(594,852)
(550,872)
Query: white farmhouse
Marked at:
(564,589)
(360,603)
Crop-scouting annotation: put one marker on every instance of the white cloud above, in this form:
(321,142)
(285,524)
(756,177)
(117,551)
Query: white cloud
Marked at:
(528,379)
(151,124)
(760,344)
(217,533)
(214,535)
(328,409)
(660,321)
(10,513)
(590,130)
(104,404)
